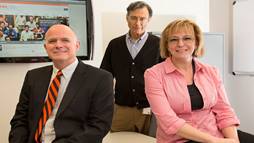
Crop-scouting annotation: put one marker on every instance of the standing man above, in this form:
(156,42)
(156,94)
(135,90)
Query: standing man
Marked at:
(74,107)
(127,57)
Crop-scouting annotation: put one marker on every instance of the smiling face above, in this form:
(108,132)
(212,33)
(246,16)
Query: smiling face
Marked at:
(182,38)
(137,21)
(181,44)
(61,45)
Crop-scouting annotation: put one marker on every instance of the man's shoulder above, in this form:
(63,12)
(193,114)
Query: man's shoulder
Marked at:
(119,38)
(41,69)
(117,42)
(40,72)
(153,37)
(94,70)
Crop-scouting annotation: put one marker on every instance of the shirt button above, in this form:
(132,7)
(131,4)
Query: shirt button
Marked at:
(132,76)
(133,63)
(133,90)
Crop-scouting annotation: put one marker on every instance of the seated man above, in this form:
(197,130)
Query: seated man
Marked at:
(77,107)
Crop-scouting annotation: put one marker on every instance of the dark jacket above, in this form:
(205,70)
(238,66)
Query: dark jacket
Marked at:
(84,115)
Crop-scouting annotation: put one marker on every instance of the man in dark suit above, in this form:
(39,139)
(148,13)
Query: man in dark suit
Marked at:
(83,109)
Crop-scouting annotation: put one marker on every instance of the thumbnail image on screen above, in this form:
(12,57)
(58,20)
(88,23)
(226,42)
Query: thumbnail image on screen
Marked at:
(23,26)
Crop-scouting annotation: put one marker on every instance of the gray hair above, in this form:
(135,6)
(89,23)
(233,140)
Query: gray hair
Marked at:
(137,5)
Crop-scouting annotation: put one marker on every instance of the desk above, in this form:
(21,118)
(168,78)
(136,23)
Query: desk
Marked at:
(128,137)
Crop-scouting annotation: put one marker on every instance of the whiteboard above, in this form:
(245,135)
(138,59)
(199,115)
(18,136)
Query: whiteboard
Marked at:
(243,37)
(214,51)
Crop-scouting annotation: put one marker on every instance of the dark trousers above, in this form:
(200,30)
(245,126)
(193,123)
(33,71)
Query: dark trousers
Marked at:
(243,137)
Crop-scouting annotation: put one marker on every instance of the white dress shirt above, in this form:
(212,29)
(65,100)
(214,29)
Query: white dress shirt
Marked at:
(48,133)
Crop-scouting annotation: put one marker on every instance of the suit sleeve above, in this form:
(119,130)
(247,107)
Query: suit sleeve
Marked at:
(19,124)
(100,114)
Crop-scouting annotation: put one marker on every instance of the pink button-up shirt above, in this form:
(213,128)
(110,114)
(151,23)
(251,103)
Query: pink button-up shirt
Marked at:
(167,93)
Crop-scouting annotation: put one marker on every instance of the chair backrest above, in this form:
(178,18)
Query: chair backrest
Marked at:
(153,127)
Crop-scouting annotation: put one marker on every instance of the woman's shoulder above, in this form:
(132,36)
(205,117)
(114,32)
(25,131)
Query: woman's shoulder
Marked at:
(157,69)
(203,65)
(207,68)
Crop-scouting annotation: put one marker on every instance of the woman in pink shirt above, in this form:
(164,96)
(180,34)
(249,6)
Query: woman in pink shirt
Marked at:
(187,96)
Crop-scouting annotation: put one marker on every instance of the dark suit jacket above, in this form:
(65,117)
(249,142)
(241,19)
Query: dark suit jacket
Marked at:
(84,115)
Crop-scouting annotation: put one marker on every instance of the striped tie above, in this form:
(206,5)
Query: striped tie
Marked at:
(48,105)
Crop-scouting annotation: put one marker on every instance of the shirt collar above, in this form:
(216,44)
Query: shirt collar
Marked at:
(68,70)
(170,67)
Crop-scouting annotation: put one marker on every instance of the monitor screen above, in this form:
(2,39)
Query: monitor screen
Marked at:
(23,25)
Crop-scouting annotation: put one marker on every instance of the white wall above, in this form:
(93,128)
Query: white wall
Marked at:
(102,10)
(239,88)
(12,75)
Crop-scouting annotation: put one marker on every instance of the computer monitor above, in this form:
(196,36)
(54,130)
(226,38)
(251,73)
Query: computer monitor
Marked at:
(23,25)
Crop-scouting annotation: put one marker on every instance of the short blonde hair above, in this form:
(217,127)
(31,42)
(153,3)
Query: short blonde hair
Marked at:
(181,25)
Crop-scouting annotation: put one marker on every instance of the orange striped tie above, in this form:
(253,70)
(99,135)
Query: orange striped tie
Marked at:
(48,105)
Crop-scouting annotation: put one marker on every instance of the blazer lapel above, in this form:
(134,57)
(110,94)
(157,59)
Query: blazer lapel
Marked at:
(42,88)
(73,87)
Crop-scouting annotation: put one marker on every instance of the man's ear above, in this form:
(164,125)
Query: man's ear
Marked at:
(44,45)
(148,19)
(78,45)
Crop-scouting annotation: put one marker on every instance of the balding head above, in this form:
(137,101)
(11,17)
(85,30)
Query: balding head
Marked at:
(61,45)
(60,28)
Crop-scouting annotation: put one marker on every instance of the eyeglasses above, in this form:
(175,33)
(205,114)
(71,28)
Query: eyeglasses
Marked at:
(185,39)
(135,19)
